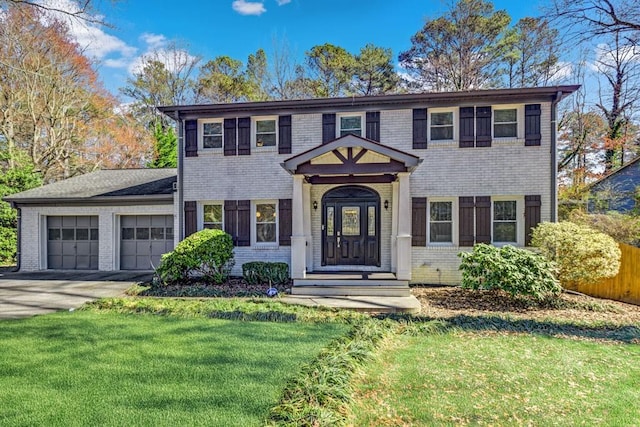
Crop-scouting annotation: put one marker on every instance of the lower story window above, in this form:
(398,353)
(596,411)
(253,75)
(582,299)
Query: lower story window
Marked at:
(440,222)
(504,221)
(265,223)
(213,216)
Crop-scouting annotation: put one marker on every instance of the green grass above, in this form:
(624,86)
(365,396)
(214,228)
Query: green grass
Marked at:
(453,377)
(90,368)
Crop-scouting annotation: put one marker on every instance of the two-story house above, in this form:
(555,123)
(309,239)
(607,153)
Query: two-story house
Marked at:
(387,186)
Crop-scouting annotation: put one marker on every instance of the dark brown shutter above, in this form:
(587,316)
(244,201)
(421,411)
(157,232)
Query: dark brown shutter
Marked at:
(467,137)
(244,136)
(483,219)
(190,218)
(531,216)
(284,135)
(231,219)
(229,137)
(483,127)
(465,209)
(244,223)
(532,133)
(328,127)
(419,221)
(191,138)
(373,125)
(420,128)
(285,220)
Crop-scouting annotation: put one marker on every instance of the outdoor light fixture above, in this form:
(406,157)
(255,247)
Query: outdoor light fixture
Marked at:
(386,204)
(315,205)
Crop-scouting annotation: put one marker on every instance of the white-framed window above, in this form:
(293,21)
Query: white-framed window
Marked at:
(213,216)
(505,221)
(351,123)
(441,217)
(505,122)
(441,124)
(266,222)
(210,134)
(265,131)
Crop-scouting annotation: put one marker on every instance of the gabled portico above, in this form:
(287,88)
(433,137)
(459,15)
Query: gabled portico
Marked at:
(351,167)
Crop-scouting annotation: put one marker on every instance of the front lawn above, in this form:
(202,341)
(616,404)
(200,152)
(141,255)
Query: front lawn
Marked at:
(459,377)
(106,368)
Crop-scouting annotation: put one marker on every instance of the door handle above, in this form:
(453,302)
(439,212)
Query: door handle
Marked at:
(338,239)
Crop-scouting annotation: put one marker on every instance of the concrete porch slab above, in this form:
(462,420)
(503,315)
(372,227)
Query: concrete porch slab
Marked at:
(370,304)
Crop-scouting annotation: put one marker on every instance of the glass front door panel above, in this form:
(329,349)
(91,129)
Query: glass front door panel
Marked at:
(351,220)
(330,228)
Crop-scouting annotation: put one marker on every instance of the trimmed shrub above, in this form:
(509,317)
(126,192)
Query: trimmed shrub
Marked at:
(257,272)
(207,253)
(582,254)
(519,272)
(623,228)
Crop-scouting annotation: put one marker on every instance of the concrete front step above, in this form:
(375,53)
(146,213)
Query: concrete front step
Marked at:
(387,288)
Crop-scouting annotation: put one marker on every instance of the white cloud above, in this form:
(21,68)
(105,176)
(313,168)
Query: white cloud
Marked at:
(173,59)
(154,40)
(561,72)
(244,7)
(283,2)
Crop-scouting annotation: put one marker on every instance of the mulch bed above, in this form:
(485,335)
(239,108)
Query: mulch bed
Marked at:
(234,287)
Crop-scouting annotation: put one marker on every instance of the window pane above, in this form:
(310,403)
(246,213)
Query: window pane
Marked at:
(505,130)
(504,231)
(214,226)
(441,133)
(127,233)
(212,141)
(157,233)
(213,213)
(441,211)
(266,140)
(371,220)
(350,122)
(439,119)
(54,234)
(94,234)
(440,232)
(509,115)
(142,233)
(350,220)
(351,132)
(265,232)
(212,129)
(504,211)
(265,126)
(330,219)
(169,233)
(82,234)
(266,213)
(68,234)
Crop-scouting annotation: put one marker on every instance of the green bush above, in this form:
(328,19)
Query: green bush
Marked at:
(582,254)
(519,272)
(208,253)
(256,272)
(623,228)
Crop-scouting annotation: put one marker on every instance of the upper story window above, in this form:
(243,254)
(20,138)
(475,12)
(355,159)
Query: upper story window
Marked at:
(265,223)
(441,125)
(211,132)
(440,222)
(212,216)
(505,123)
(265,132)
(350,124)
(505,224)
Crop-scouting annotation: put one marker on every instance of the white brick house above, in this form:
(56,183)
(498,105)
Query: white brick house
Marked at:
(392,185)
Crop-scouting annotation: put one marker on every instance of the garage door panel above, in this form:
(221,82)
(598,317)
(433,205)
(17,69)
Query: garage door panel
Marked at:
(144,238)
(72,242)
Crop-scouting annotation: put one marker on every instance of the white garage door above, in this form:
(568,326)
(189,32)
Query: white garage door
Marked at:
(72,242)
(143,240)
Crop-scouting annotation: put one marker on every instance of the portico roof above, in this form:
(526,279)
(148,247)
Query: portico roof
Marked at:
(351,155)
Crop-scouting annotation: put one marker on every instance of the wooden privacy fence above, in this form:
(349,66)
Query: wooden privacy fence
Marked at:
(623,287)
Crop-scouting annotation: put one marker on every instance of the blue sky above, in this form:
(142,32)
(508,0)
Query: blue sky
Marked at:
(238,28)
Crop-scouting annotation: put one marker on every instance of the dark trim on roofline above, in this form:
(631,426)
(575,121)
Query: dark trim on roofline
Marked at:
(93,201)
(359,103)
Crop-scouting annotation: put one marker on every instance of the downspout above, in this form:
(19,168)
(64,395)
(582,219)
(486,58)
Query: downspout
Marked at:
(554,157)
(19,239)
(180,212)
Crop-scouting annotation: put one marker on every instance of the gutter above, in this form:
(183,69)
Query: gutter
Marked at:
(180,180)
(554,156)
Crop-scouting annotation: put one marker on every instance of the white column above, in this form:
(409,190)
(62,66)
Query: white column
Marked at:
(394,226)
(403,260)
(298,241)
(306,201)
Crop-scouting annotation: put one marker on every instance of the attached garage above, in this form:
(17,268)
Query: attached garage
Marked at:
(143,240)
(105,220)
(72,242)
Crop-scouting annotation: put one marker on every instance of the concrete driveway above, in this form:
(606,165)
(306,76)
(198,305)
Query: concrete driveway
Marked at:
(29,294)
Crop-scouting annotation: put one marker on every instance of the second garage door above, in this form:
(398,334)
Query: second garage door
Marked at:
(144,238)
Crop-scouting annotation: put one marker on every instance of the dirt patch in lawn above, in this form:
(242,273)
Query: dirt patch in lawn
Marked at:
(447,302)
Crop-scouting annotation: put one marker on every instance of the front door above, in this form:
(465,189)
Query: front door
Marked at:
(351,227)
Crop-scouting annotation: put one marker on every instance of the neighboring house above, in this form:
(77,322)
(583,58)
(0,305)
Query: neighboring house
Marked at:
(617,191)
(391,186)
